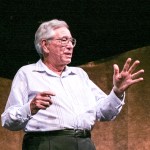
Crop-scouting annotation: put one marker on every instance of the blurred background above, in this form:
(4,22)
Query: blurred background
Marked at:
(102,28)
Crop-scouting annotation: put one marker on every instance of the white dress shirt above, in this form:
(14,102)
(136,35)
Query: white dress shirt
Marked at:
(78,102)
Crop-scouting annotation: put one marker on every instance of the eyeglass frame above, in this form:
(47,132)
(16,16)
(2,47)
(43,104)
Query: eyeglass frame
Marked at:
(67,40)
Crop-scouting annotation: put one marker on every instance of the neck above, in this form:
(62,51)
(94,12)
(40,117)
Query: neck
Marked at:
(58,69)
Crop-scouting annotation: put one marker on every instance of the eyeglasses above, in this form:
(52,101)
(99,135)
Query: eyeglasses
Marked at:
(64,41)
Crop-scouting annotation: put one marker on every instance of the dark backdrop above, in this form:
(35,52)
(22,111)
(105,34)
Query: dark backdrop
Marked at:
(102,28)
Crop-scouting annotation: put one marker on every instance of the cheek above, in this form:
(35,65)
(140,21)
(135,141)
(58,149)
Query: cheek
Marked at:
(56,51)
(60,51)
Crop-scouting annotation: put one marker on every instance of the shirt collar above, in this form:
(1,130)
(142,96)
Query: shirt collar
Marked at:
(41,67)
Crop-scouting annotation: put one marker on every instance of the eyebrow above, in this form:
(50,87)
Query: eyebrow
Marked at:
(67,37)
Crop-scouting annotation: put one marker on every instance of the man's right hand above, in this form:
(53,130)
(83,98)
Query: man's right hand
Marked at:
(41,101)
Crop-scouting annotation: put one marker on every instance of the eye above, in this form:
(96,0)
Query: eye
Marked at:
(64,39)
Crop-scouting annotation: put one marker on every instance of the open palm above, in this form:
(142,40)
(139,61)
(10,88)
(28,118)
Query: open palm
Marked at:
(127,77)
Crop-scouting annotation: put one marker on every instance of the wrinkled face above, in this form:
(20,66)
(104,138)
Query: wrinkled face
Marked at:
(59,49)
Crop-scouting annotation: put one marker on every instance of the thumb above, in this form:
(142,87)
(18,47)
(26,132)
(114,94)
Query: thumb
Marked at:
(116,69)
(48,93)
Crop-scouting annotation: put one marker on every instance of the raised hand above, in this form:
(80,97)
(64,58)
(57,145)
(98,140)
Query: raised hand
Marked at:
(41,101)
(127,77)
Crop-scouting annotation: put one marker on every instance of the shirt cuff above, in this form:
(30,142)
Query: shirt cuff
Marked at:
(117,102)
(25,111)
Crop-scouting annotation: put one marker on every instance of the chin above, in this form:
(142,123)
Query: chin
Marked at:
(67,61)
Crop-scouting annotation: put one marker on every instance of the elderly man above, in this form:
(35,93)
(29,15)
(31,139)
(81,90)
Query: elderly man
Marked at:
(57,105)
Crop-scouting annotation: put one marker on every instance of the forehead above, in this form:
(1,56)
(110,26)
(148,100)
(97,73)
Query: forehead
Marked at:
(61,32)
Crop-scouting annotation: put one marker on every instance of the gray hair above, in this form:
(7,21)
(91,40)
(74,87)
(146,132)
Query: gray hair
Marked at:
(45,31)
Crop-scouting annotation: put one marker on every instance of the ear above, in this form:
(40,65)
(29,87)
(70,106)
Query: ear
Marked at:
(44,46)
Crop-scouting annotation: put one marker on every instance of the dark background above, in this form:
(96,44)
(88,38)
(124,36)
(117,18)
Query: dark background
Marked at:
(103,28)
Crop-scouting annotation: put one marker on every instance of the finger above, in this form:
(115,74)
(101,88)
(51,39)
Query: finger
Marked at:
(45,103)
(135,75)
(47,93)
(134,65)
(40,106)
(40,98)
(116,69)
(127,65)
(46,99)
(137,80)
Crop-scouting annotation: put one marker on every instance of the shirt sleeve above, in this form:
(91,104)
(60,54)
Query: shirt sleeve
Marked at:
(17,111)
(107,106)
